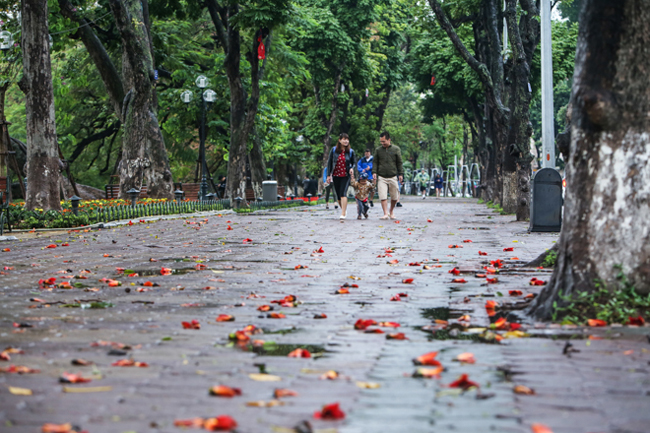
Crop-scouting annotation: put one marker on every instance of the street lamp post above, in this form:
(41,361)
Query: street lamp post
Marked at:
(208,96)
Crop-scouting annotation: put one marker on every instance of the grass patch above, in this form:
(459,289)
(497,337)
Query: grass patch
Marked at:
(550,259)
(612,306)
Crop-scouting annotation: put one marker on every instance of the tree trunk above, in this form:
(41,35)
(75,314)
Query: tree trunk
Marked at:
(258,168)
(143,148)
(607,202)
(329,123)
(43,167)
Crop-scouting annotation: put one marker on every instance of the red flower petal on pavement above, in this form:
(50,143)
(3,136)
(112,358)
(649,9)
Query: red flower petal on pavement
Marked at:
(129,363)
(429,220)
(342,291)
(515,292)
(283,392)
(276,316)
(467,241)
(373,331)
(194,422)
(389,324)
(362,324)
(395,298)
(535,282)
(427,359)
(393,262)
(320,316)
(492,280)
(220,423)
(455,246)
(225,318)
(299,353)
(508,249)
(264,308)
(396,336)
(540,428)
(496,263)
(194,324)
(407,280)
(458,280)
(229,228)
(51,246)
(466,357)
(481,253)
(501,323)
(165,271)
(330,412)
(463,382)
(596,322)
(247,240)
(73,378)
(515,326)
(455,271)
(491,305)
(56,428)
(480,275)
(224,391)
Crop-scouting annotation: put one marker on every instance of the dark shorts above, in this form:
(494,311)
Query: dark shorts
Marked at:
(341,185)
(423,188)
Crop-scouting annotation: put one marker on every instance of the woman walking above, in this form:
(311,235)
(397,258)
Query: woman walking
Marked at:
(340,164)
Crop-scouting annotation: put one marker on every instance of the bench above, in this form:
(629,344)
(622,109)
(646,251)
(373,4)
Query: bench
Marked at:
(113,191)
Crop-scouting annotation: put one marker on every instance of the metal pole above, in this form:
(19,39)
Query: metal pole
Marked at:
(204,182)
(548,133)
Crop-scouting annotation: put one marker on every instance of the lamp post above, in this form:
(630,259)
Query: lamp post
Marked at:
(208,96)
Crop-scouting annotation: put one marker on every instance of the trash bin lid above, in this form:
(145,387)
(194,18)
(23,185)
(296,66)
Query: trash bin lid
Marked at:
(269,182)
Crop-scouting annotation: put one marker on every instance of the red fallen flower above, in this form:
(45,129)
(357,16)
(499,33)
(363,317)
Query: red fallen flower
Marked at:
(73,378)
(59,428)
(596,322)
(429,220)
(393,262)
(530,296)
(397,222)
(65,244)
(373,331)
(496,263)
(19,369)
(51,246)
(165,271)
(342,291)
(637,321)
(200,266)
(389,324)
(6,250)
(465,318)
(276,316)
(395,298)
(224,391)
(491,305)
(283,392)
(415,264)
(264,308)
(455,271)
(247,240)
(225,318)
(535,282)
(191,325)
(319,251)
(142,289)
(330,412)
(363,324)
(407,280)
(492,280)
(129,363)
(480,275)
(300,267)
(403,295)
(229,228)
(429,373)
(427,359)
(150,284)
(320,316)
(515,292)
(508,249)
(299,353)
(194,422)
(455,246)
(396,336)
(501,324)
(130,223)
(220,423)
(482,253)
(463,382)
(490,270)
(467,241)
(458,280)
(515,326)
(22,325)
(540,428)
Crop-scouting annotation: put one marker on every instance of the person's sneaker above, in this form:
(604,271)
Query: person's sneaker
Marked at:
(327,206)
(423,197)
(371,205)
(365,215)
(359,217)
(336,206)
(398,204)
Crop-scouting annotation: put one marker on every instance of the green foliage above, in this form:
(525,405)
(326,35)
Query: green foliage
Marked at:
(550,259)
(613,305)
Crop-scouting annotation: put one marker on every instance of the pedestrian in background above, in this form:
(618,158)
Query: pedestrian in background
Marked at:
(422,178)
(341,164)
(437,182)
(328,188)
(387,169)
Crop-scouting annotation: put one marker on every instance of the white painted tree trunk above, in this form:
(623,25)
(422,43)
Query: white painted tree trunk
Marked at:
(607,210)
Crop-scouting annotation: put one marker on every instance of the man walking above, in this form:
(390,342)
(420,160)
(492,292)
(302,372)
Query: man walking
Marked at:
(387,168)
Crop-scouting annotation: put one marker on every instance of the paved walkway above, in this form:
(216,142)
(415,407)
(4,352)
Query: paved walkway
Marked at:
(602,387)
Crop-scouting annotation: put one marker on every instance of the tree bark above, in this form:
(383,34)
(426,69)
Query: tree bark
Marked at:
(43,167)
(258,167)
(608,198)
(143,149)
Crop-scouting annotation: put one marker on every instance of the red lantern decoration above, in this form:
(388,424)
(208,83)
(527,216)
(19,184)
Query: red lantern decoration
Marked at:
(261,50)
(433,80)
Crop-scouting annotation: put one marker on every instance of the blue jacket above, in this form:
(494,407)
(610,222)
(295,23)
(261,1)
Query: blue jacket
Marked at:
(363,164)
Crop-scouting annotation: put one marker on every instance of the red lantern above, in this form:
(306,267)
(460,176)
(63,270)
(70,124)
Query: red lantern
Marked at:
(261,50)
(433,80)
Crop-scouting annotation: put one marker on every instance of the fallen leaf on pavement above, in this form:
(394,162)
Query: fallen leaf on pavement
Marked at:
(262,403)
(261,377)
(283,392)
(368,385)
(224,391)
(523,390)
(329,375)
(20,391)
(19,369)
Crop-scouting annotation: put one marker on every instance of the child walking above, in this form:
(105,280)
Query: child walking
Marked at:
(362,190)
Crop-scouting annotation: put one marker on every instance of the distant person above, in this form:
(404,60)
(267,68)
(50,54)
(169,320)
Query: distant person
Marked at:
(365,166)
(341,164)
(221,187)
(362,191)
(422,178)
(437,182)
(305,185)
(388,170)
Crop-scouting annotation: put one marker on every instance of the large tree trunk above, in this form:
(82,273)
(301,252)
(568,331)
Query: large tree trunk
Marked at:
(258,167)
(608,199)
(43,167)
(143,148)
(329,122)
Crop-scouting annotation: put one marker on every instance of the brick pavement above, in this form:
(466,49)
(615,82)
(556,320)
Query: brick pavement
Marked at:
(599,389)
